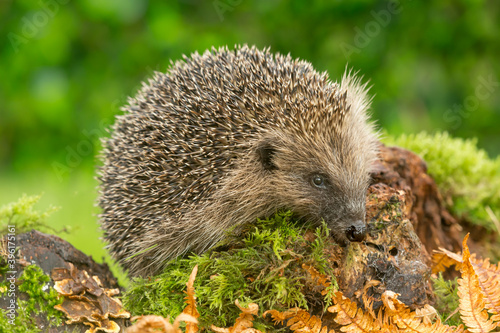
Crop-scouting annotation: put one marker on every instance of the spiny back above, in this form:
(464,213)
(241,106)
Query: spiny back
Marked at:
(190,124)
(186,130)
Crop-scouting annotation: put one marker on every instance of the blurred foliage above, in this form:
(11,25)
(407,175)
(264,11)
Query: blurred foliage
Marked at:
(23,217)
(73,219)
(467,178)
(67,66)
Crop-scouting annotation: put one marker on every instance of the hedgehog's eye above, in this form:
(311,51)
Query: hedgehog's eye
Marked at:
(318,181)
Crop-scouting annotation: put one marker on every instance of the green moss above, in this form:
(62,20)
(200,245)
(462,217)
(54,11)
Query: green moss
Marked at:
(263,267)
(465,175)
(447,300)
(22,324)
(22,215)
(41,300)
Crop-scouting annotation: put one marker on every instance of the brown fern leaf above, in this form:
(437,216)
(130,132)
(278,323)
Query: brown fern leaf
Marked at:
(189,315)
(442,259)
(244,323)
(158,324)
(408,321)
(279,317)
(489,280)
(320,279)
(351,317)
(368,300)
(386,325)
(190,298)
(304,322)
(150,323)
(439,327)
(427,313)
(472,303)
(299,321)
(488,276)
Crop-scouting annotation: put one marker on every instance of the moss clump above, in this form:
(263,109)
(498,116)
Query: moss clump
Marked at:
(465,175)
(22,215)
(447,300)
(41,300)
(263,267)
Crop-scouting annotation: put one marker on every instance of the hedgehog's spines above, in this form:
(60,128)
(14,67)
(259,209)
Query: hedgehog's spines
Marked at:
(182,164)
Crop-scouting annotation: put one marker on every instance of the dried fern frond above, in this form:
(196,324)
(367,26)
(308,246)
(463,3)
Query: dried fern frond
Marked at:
(321,280)
(427,313)
(368,300)
(158,324)
(279,317)
(299,321)
(442,259)
(472,303)
(190,300)
(489,281)
(244,323)
(350,316)
(488,276)
(409,321)
(401,315)
(146,324)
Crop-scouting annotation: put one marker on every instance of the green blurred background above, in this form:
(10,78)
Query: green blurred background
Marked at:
(67,66)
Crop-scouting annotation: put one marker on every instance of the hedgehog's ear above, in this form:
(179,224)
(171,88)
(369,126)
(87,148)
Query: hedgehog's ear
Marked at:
(265,155)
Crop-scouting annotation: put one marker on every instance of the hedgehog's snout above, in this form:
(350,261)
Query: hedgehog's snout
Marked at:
(356,232)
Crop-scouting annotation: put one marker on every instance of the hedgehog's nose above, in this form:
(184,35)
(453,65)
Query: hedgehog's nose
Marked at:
(356,232)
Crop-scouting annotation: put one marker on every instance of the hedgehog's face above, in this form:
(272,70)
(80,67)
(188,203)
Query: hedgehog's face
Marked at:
(318,185)
(342,208)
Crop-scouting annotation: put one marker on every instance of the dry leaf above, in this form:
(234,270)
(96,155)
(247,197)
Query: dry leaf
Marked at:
(190,298)
(244,322)
(472,301)
(279,317)
(188,319)
(350,316)
(368,300)
(409,321)
(427,313)
(489,281)
(320,279)
(299,320)
(158,324)
(442,259)
(147,324)
(488,276)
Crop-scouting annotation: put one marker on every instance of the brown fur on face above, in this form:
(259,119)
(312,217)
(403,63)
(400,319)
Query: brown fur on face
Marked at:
(225,138)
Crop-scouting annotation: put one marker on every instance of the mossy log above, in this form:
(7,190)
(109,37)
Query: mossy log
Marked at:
(404,170)
(406,220)
(87,286)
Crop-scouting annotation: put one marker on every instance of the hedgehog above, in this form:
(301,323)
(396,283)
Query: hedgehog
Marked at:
(227,137)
